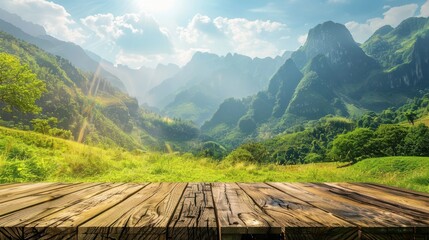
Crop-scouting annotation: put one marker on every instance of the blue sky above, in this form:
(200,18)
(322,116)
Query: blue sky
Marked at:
(148,32)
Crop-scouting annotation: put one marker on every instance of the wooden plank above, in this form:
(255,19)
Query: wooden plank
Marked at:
(300,219)
(31,200)
(238,214)
(144,215)
(31,189)
(18,223)
(195,216)
(374,233)
(61,217)
(381,223)
(403,198)
(381,199)
(37,212)
(397,189)
(7,192)
(11,185)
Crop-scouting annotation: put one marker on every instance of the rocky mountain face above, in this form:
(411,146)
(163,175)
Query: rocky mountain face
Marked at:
(332,74)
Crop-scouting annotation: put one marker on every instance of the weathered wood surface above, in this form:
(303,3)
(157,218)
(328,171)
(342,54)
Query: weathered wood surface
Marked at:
(212,211)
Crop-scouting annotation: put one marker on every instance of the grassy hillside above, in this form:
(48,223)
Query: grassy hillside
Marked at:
(32,157)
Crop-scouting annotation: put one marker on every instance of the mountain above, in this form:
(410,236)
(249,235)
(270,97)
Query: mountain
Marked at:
(207,79)
(35,34)
(332,75)
(138,82)
(404,54)
(28,27)
(88,106)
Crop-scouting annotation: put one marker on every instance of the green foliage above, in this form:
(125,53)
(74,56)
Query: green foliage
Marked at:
(308,144)
(387,140)
(213,150)
(416,142)
(48,126)
(353,146)
(411,116)
(240,155)
(169,129)
(258,152)
(44,125)
(19,86)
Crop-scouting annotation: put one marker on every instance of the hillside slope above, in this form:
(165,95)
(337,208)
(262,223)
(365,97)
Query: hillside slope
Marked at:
(32,157)
(87,105)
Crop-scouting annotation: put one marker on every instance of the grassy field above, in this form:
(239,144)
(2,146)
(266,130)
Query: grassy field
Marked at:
(31,157)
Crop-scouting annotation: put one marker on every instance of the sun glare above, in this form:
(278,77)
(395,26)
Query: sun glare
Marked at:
(154,6)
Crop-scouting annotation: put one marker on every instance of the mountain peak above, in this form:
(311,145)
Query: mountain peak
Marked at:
(334,41)
(331,34)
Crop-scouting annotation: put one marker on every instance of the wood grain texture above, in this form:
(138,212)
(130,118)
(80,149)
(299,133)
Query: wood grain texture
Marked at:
(60,218)
(18,191)
(368,218)
(406,199)
(195,216)
(304,211)
(144,215)
(409,207)
(239,214)
(38,198)
(301,220)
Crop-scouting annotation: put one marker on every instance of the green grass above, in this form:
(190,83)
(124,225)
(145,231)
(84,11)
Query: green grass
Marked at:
(31,157)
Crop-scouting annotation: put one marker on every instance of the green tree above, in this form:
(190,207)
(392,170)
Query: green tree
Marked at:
(19,87)
(353,146)
(411,116)
(416,143)
(389,139)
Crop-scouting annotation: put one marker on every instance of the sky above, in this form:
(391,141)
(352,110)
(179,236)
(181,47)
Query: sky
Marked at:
(148,32)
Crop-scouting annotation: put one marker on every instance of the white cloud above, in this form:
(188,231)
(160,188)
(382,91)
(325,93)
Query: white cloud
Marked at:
(395,15)
(302,39)
(53,17)
(132,33)
(240,35)
(424,10)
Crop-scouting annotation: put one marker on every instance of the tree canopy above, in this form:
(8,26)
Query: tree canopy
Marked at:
(19,86)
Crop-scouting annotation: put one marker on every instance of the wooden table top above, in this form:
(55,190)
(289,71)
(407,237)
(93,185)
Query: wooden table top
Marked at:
(212,211)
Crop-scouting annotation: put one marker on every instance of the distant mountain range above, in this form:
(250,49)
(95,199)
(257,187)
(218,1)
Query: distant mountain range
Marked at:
(208,79)
(192,92)
(332,74)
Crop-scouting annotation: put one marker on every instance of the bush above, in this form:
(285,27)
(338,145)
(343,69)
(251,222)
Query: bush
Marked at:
(239,155)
